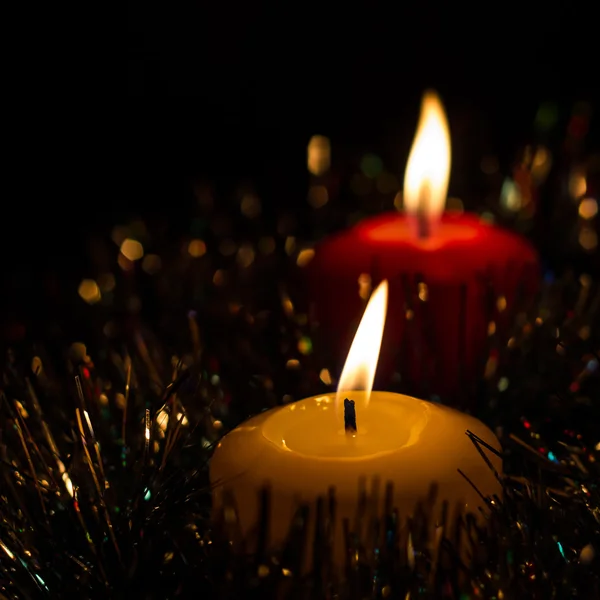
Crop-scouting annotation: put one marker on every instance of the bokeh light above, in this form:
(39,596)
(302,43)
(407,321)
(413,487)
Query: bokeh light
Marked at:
(325,376)
(510,196)
(318,196)
(245,255)
(588,208)
(319,155)
(546,117)
(124,262)
(250,206)
(398,201)
(371,165)
(132,249)
(152,264)
(541,164)
(304,257)
(305,345)
(577,183)
(89,291)
(219,278)
(290,244)
(197,248)
(588,239)
(455,204)
(364,285)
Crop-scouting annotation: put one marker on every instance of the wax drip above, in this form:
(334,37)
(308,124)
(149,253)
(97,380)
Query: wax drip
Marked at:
(349,416)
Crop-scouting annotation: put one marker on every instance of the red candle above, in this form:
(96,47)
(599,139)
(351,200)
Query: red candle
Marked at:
(454,279)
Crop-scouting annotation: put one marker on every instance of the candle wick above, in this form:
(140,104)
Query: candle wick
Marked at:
(349,416)
(422,216)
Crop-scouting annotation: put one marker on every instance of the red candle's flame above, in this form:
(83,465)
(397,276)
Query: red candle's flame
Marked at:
(428,167)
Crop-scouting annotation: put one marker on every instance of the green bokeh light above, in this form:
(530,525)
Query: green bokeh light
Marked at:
(371,165)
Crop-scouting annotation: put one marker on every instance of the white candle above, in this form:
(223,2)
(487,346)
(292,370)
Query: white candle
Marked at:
(303,449)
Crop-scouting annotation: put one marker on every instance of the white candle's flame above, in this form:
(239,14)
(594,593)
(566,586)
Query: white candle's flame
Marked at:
(428,166)
(359,371)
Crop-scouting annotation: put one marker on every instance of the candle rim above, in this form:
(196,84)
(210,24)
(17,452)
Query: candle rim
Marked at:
(430,412)
(251,460)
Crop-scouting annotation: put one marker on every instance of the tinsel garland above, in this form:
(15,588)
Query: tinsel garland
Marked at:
(105,483)
(105,446)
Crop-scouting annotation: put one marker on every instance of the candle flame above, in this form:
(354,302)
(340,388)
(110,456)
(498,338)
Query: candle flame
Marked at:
(359,371)
(428,166)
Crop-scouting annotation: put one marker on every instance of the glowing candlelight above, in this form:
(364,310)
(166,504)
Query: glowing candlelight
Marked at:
(359,370)
(428,167)
(450,261)
(302,452)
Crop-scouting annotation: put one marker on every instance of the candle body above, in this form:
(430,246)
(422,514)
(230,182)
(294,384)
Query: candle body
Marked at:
(447,293)
(301,450)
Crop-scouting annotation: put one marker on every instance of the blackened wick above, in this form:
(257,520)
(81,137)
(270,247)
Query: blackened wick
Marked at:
(349,416)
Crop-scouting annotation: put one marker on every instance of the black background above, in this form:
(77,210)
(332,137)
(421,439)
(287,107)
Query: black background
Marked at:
(237,90)
(234,91)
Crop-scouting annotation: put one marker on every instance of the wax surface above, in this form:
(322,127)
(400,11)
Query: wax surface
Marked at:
(446,294)
(314,427)
(461,246)
(300,451)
